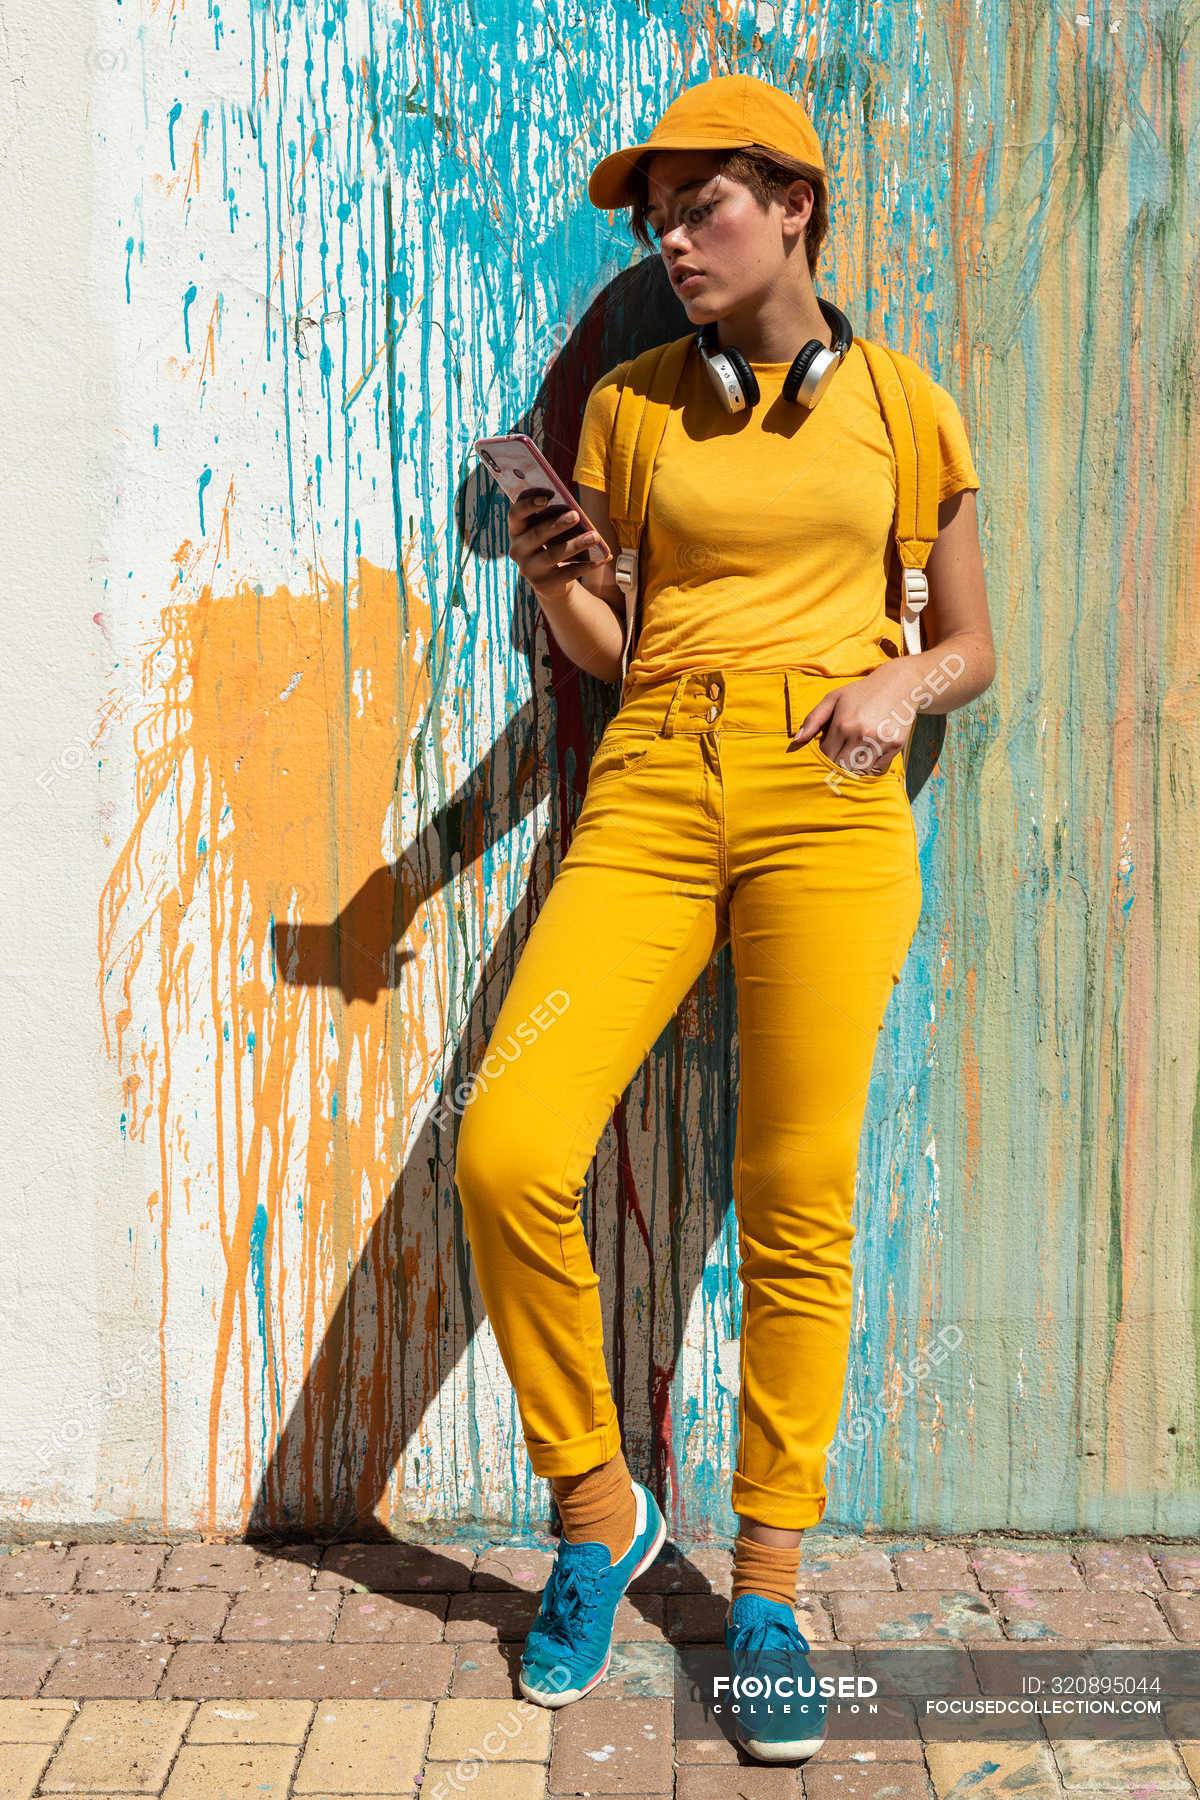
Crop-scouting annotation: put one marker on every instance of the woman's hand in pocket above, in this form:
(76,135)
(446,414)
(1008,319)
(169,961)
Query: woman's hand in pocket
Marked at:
(862,724)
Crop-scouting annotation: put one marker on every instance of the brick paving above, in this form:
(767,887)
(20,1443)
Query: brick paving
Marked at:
(209,1671)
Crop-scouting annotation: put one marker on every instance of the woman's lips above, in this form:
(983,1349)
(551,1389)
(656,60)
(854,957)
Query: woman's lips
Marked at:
(687,281)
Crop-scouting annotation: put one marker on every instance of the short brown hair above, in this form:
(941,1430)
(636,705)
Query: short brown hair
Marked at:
(764,172)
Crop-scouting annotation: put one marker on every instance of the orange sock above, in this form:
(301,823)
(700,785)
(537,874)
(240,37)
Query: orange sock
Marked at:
(598,1506)
(767,1569)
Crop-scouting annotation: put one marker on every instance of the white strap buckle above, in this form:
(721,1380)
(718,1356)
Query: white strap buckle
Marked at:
(626,570)
(916,589)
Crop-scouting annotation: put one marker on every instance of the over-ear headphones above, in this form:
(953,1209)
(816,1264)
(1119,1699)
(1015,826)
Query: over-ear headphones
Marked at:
(804,382)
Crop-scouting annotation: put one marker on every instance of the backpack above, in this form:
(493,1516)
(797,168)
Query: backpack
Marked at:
(905,395)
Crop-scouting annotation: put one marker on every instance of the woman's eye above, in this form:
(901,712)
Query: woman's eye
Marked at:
(692,216)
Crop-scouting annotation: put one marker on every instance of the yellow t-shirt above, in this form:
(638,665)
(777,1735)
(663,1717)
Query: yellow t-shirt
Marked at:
(767,532)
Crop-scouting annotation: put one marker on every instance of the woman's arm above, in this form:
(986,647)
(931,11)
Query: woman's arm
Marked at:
(587,613)
(959,663)
(957,626)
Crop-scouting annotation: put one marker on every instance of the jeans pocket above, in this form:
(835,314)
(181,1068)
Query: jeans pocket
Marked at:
(850,774)
(621,755)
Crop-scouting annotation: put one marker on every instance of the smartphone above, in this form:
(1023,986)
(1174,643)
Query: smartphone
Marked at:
(516,463)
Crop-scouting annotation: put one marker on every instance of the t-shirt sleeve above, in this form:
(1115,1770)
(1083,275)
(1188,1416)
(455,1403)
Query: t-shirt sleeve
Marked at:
(957,465)
(591,459)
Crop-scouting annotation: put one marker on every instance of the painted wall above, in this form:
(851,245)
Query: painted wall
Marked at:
(294,760)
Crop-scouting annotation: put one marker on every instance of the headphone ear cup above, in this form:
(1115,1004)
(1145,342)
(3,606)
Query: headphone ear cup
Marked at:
(745,375)
(800,368)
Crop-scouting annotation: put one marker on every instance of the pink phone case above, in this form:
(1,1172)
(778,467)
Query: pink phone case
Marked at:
(516,464)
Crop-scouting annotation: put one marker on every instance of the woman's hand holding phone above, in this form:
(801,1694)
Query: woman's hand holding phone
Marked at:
(538,546)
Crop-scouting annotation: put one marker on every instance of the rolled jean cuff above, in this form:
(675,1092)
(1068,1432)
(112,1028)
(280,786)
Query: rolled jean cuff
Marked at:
(772,1506)
(575,1456)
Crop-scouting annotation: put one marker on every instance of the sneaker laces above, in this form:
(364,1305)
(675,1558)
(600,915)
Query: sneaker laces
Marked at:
(770,1643)
(571,1594)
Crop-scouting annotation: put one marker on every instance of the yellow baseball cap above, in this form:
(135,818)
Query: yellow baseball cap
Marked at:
(730,112)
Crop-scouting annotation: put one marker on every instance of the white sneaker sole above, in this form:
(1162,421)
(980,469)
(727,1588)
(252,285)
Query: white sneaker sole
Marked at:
(788,1750)
(546,1697)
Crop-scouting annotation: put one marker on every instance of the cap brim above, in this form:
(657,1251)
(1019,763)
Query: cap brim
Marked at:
(610,183)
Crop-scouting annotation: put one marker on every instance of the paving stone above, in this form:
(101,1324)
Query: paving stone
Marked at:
(676,1571)
(507,1566)
(604,1745)
(364,1746)
(289,1564)
(34,1721)
(695,1618)
(397,1568)
(480,1615)
(100,1671)
(862,1571)
(982,1769)
(869,1781)
(485,1731)
(23,1667)
(703,1743)
(1179,1569)
(232,1567)
(309,1671)
(757,1781)
(20,1766)
(1095,1766)
(708,1565)
(1119,1566)
(126,1567)
(640,1619)
(643,1669)
(281,1615)
(945,1567)
(27,1571)
(30,1618)
(1181,1719)
(496,1781)
(1040,1570)
(118,1744)
(205,1771)
(487,1669)
(250,1722)
(1092,1617)
(391,1618)
(912,1615)
(1190,1753)
(919,1671)
(78,1618)
(889,1734)
(1183,1615)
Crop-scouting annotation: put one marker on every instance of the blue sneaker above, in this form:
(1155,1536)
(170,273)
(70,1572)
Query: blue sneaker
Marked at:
(569,1646)
(765,1642)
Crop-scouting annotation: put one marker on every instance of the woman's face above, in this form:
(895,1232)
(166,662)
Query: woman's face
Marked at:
(711,223)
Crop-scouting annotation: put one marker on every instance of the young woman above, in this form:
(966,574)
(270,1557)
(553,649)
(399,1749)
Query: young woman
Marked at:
(745,790)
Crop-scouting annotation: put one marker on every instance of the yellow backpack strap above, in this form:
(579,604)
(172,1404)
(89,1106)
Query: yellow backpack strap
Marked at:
(906,401)
(643,406)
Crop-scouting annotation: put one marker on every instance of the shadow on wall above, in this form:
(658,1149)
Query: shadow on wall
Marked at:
(396,1333)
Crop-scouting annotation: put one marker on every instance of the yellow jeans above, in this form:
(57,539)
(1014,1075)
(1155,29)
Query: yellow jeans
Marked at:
(698,824)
